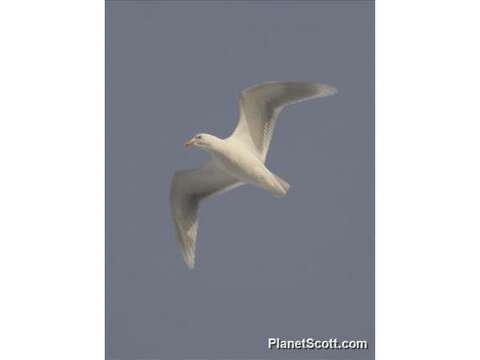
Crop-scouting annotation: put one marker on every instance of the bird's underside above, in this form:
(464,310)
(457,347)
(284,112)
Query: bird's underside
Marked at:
(238,159)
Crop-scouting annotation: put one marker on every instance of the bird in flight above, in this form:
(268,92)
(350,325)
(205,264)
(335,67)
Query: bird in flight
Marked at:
(238,159)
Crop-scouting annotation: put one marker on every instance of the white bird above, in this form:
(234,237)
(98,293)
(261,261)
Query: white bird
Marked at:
(238,159)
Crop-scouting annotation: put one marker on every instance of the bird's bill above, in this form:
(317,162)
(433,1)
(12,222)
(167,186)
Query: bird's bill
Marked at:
(189,143)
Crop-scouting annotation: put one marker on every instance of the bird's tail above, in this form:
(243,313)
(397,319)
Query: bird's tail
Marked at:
(284,186)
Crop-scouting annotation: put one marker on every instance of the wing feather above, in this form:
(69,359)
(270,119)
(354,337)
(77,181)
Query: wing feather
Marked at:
(188,188)
(261,104)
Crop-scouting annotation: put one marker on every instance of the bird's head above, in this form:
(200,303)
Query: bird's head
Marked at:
(204,141)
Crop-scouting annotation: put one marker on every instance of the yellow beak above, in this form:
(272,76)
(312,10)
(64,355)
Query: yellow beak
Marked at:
(189,143)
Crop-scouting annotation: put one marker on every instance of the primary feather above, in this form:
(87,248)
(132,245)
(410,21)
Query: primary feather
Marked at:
(261,104)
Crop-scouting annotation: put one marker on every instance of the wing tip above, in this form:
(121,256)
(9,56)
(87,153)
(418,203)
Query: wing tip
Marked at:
(326,90)
(190,262)
(187,248)
(188,254)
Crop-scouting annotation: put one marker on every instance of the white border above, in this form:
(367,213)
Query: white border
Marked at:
(427,179)
(52,179)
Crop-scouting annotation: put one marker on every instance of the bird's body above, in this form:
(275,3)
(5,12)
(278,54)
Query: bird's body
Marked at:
(238,159)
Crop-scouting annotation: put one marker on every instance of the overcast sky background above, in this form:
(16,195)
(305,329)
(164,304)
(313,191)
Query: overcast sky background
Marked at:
(301,266)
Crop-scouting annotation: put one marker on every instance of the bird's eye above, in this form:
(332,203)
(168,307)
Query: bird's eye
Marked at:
(199,136)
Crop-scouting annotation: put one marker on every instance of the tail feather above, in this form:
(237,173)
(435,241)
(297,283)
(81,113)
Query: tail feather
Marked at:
(283,184)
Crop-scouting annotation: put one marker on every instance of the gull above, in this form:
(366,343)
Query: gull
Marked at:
(238,159)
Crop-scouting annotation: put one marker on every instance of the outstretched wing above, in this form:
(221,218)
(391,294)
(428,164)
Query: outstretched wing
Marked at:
(188,188)
(261,104)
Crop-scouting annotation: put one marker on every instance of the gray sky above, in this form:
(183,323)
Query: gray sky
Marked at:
(301,266)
